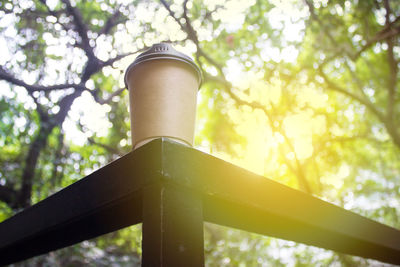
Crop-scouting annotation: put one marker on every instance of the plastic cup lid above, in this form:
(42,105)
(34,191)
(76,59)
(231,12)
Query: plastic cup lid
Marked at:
(163,51)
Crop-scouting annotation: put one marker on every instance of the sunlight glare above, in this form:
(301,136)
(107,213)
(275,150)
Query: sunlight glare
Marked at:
(300,128)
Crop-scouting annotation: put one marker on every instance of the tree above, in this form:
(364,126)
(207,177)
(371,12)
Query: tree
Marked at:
(305,93)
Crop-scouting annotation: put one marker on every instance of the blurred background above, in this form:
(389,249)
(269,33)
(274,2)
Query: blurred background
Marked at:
(303,92)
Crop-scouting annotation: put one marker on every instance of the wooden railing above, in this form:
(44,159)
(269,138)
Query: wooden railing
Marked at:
(172,189)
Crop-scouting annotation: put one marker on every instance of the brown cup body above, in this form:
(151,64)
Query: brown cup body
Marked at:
(163,95)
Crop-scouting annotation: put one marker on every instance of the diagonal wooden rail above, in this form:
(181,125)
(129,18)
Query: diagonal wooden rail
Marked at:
(172,189)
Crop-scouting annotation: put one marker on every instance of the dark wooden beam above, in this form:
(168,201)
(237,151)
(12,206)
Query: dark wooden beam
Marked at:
(238,198)
(106,200)
(172,188)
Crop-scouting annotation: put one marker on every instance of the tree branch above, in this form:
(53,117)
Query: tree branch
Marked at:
(93,64)
(335,87)
(25,193)
(112,21)
(65,105)
(40,141)
(55,14)
(111,61)
(171,13)
(4,75)
(191,32)
(390,127)
(380,36)
(110,149)
(303,183)
(57,174)
(387,32)
(108,99)
(340,49)
(80,27)
(393,69)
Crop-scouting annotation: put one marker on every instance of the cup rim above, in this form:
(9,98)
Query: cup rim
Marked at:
(134,64)
(159,51)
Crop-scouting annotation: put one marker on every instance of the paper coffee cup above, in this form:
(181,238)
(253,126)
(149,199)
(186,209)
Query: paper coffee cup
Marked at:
(163,94)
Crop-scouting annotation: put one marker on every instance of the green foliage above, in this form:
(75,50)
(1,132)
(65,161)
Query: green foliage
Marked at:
(303,92)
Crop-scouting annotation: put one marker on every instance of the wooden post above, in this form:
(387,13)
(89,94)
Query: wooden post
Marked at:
(172,226)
